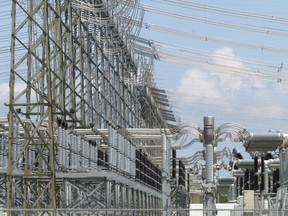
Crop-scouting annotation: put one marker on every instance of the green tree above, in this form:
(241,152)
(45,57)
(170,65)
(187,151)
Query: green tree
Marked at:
(221,198)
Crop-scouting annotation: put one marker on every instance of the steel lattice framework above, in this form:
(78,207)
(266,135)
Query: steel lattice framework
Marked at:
(78,64)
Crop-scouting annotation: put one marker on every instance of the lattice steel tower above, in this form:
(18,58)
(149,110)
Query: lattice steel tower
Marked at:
(75,64)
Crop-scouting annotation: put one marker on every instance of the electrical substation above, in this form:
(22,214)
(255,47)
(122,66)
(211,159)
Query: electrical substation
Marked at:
(90,133)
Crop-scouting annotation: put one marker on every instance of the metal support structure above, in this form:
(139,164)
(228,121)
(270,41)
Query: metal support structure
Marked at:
(42,142)
(78,67)
(210,189)
(210,138)
(165,173)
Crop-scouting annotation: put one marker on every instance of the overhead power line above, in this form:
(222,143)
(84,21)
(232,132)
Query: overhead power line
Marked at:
(226,11)
(221,23)
(214,39)
(207,54)
(176,54)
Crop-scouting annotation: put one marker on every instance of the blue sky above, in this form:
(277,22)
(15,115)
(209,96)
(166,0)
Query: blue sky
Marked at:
(227,80)
(5,26)
(203,87)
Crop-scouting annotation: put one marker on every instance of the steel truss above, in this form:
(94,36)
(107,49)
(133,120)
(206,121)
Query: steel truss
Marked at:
(106,194)
(68,71)
(109,185)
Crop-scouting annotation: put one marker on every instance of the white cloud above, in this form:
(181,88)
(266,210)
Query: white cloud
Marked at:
(225,57)
(200,82)
(202,90)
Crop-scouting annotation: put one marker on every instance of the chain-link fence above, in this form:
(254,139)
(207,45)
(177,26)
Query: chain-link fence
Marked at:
(143,212)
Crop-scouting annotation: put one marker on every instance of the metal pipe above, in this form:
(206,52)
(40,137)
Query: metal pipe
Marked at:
(155,131)
(238,173)
(263,141)
(266,136)
(226,180)
(146,136)
(273,163)
(246,163)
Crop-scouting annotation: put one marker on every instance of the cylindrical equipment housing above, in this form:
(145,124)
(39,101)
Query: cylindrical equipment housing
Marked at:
(208,130)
